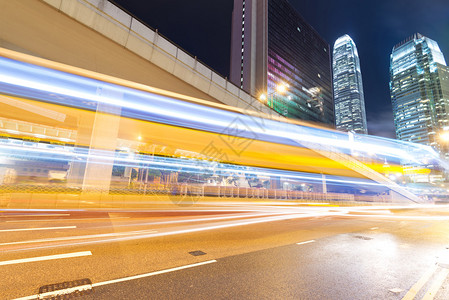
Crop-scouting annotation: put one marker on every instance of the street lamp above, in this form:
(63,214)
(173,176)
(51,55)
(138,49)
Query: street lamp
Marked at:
(281,88)
(444,142)
(444,136)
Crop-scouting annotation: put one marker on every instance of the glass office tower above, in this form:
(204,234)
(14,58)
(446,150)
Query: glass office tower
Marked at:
(419,90)
(348,89)
(279,58)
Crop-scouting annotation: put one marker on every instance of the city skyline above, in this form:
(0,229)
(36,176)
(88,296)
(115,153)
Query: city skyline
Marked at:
(349,99)
(419,94)
(203,28)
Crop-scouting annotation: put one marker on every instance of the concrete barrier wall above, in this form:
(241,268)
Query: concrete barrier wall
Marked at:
(48,200)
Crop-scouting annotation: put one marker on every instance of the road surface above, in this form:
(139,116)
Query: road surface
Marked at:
(236,251)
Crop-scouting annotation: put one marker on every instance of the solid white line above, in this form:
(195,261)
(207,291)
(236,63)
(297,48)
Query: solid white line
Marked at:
(48,257)
(374,228)
(82,219)
(153,273)
(33,215)
(433,290)
(42,228)
(133,277)
(67,291)
(306,242)
(68,238)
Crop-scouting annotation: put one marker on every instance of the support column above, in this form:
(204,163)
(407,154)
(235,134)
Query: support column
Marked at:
(94,173)
(323,178)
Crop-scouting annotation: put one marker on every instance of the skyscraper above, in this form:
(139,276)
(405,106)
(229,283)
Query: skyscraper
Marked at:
(419,87)
(280,59)
(348,89)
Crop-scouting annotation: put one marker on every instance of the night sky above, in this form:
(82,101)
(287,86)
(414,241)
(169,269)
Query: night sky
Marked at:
(203,28)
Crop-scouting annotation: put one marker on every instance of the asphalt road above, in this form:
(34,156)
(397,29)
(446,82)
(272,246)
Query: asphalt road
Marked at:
(227,252)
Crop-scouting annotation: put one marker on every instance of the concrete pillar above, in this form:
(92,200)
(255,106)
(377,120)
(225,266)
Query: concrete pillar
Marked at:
(323,177)
(94,173)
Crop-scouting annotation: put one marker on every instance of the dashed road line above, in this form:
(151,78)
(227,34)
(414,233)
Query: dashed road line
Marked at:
(92,236)
(34,229)
(306,242)
(135,277)
(33,215)
(48,257)
(65,293)
(81,219)
(153,273)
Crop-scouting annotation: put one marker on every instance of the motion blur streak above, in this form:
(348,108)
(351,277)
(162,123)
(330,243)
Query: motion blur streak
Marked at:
(150,233)
(65,137)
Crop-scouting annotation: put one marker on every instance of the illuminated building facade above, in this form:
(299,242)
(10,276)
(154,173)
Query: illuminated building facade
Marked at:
(279,58)
(419,87)
(348,88)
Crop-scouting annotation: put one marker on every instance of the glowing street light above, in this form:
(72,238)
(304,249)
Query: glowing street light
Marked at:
(282,87)
(445,136)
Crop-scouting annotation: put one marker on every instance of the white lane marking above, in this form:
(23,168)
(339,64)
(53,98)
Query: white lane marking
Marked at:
(61,293)
(418,218)
(48,257)
(28,297)
(438,282)
(83,219)
(41,228)
(306,242)
(68,238)
(153,273)
(33,215)
(419,284)
(134,277)
(374,228)
(175,232)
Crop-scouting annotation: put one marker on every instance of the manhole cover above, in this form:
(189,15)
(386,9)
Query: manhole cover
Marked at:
(197,253)
(66,290)
(363,237)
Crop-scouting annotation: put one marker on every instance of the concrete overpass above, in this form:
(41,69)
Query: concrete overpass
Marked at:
(97,35)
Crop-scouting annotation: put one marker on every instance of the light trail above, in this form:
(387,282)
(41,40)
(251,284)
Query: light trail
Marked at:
(24,77)
(145,234)
(50,88)
(37,229)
